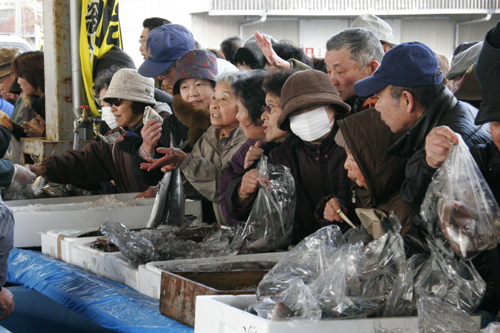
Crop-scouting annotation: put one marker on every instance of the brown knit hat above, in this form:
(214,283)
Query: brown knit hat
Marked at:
(306,89)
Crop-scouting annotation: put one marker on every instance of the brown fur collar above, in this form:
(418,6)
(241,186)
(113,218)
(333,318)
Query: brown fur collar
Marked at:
(198,121)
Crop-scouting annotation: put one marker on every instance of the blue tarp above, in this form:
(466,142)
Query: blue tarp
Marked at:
(109,304)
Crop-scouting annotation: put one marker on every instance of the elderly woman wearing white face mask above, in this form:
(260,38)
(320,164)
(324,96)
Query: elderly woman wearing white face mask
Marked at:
(310,105)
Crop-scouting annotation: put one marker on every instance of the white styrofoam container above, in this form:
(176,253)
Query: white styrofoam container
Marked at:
(39,215)
(53,245)
(150,274)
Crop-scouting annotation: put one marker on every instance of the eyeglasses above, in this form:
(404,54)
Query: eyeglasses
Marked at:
(267,108)
(142,40)
(115,101)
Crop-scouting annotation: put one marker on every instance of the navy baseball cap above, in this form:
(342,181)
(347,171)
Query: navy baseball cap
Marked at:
(406,65)
(165,45)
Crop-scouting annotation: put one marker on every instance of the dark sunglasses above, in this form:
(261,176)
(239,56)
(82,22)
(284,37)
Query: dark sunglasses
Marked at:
(114,101)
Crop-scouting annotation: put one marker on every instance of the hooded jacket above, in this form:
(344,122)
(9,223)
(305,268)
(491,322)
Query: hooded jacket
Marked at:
(445,110)
(318,170)
(367,138)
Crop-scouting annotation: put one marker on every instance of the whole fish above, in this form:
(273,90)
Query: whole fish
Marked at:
(176,200)
(160,207)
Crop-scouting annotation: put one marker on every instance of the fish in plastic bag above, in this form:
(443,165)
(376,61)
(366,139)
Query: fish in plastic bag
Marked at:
(270,223)
(460,206)
(437,316)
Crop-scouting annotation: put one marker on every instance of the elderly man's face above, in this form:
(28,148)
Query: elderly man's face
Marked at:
(344,72)
(142,43)
(394,114)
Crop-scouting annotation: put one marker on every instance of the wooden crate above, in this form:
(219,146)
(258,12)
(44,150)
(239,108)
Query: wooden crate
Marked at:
(179,290)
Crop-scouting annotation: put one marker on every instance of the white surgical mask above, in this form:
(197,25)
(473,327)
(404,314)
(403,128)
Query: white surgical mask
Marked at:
(108,117)
(312,125)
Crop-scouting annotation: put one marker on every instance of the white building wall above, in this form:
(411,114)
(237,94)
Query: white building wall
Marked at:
(279,29)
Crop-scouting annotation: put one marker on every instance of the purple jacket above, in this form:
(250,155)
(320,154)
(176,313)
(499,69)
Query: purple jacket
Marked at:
(236,169)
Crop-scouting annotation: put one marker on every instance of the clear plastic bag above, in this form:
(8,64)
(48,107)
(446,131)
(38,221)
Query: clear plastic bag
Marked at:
(434,315)
(456,282)
(459,205)
(270,223)
(492,328)
(324,277)
(137,249)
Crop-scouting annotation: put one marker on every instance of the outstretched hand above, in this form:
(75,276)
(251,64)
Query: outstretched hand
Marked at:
(150,133)
(173,157)
(331,208)
(267,49)
(437,145)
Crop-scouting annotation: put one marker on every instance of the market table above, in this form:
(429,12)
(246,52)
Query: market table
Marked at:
(109,304)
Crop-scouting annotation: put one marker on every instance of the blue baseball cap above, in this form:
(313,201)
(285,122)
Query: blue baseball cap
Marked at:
(406,65)
(165,45)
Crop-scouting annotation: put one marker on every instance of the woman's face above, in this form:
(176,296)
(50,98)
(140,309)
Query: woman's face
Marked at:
(353,171)
(26,87)
(495,133)
(196,92)
(251,131)
(102,93)
(270,119)
(223,108)
(123,114)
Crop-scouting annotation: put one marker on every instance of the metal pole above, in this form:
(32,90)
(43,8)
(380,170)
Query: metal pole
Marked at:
(76,71)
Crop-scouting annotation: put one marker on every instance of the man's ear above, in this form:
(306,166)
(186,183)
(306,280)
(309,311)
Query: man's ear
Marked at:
(408,101)
(372,66)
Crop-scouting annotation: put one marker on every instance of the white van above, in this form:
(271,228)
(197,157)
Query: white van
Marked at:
(20,43)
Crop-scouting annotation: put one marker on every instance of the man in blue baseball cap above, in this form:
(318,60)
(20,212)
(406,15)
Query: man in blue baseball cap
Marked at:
(413,100)
(166,44)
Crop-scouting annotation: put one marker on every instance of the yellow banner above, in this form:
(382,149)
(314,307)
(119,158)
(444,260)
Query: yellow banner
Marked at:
(99,31)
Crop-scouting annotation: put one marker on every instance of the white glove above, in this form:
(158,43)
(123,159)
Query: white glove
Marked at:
(23,175)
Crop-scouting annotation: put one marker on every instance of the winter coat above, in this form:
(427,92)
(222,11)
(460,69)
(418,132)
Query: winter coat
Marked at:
(445,110)
(231,180)
(367,137)
(204,166)
(97,162)
(318,170)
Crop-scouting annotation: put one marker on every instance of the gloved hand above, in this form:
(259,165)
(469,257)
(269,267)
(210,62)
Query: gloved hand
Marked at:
(23,175)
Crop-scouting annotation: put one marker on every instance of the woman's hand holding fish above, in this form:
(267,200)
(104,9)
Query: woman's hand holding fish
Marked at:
(253,154)
(172,158)
(249,183)
(331,208)
(150,133)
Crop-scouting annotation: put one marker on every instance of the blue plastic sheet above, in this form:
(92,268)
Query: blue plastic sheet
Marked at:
(109,304)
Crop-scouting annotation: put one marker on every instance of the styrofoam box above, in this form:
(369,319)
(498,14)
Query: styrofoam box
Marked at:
(150,274)
(35,216)
(53,245)
(224,314)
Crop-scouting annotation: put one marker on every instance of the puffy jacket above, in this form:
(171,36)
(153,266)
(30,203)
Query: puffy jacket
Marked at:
(204,166)
(445,110)
(367,137)
(97,162)
(318,170)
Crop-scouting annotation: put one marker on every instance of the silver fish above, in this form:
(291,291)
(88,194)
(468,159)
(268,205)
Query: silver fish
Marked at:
(176,200)
(160,207)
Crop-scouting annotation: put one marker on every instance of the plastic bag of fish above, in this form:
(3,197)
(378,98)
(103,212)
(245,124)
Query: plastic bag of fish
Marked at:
(270,223)
(460,207)
(325,277)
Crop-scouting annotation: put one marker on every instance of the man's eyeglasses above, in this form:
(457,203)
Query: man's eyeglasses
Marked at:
(142,40)
(114,101)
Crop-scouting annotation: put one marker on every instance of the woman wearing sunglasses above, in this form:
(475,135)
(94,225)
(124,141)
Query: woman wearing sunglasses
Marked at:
(128,94)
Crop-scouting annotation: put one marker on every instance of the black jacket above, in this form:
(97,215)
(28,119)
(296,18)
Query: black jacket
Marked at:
(318,170)
(446,110)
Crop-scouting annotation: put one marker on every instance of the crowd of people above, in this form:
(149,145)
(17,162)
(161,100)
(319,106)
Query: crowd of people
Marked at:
(365,127)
